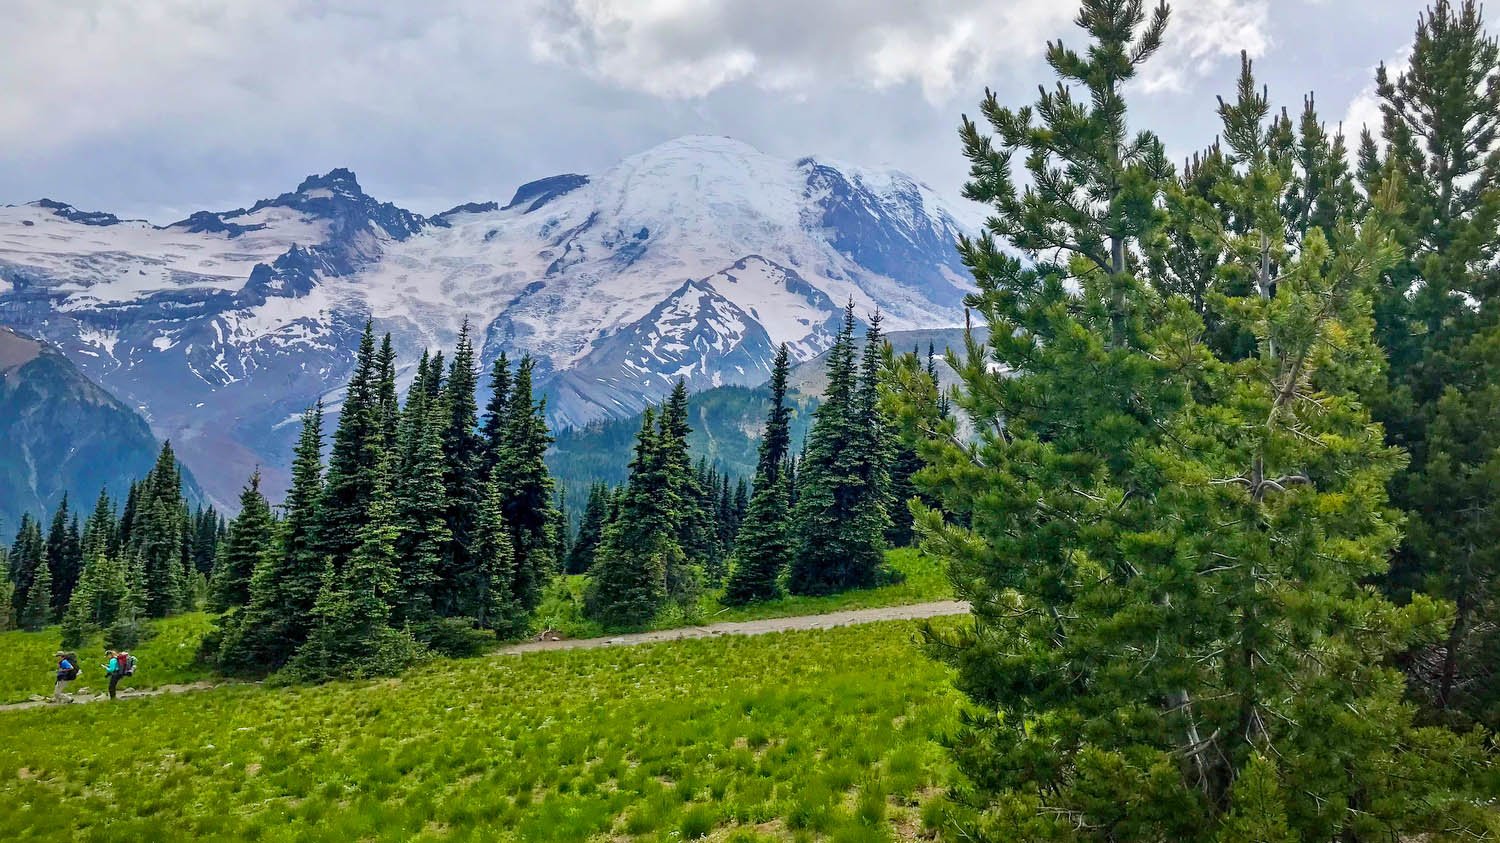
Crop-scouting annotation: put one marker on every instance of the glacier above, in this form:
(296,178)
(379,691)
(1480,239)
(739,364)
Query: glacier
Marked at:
(692,259)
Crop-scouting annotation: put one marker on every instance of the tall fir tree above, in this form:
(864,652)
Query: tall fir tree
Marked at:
(351,633)
(840,517)
(1439,322)
(353,459)
(27,555)
(590,527)
(37,611)
(1164,543)
(522,474)
(628,581)
(388,408)
(64,555)
(764,545)
(251,536)
(494,601)
(494,425)
(285,585)
(422,508)
(156,535)
(463,484)
(684,497)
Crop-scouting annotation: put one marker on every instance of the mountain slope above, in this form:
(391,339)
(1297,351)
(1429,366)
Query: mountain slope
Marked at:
(60,433)
(693,259)
(726,420)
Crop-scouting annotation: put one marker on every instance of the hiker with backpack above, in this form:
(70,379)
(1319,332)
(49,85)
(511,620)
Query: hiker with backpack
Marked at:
(67,671)
(121,664)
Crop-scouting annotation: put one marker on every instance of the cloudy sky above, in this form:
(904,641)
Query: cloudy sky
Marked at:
(156,108)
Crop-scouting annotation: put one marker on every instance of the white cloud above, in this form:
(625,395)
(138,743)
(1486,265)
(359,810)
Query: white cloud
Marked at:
(1364,109)
(677,48)
(1203,33)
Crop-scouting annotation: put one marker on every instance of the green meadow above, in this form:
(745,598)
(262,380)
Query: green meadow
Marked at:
(169,656)
(828,734)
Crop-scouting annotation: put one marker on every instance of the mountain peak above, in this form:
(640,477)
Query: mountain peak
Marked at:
(339,179)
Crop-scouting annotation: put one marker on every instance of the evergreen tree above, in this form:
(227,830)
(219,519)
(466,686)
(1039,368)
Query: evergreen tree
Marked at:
(353,459)
(27,555)
(285,584)
(127,515)
(684,497)
(628,581)
(561,528)
(7,594)
(351,634)
(37,610)
(463,463)
(495,605)
(96,600)
(156,533)
(590,527)
(1166,541)
(101,530)
(388,407)
(522,473)
(64,555)
(250,540)
(422,508)
(205,539)
(1439,322)
(727,518)
(764,545)
(840,518)
(496,413)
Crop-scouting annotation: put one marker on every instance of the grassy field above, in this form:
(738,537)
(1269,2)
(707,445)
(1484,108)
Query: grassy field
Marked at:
(168,657)
(794,736)
(922,580)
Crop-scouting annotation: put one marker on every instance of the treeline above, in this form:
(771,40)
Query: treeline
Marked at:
(1211,399)
(815,523)
(148,557)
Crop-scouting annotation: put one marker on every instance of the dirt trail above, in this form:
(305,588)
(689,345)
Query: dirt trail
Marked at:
(856,616)
(916,611)
(102,696)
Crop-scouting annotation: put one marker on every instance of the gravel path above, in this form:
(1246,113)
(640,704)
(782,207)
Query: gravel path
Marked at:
(916,611)
(122,695)
(886,613)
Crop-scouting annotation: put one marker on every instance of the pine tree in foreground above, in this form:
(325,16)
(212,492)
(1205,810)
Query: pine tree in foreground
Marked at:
(1167,545)
(1438,319)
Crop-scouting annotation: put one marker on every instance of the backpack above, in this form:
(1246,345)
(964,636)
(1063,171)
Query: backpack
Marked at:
(70,672)
(127,664)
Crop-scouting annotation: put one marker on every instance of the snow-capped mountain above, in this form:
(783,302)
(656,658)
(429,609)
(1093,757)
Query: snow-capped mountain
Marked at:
(693,259)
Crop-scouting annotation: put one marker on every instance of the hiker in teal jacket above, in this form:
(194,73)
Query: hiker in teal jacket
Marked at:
(113,670)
